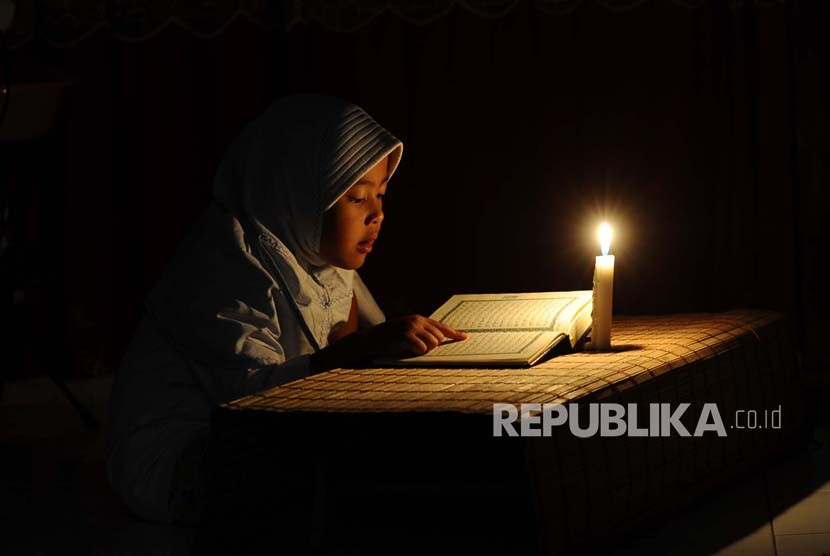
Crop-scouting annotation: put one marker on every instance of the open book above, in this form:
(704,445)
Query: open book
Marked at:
(507,329)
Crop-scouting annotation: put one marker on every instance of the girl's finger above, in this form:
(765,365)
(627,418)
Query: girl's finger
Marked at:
(415,344)
(435,331)
(429,338)
(449,332)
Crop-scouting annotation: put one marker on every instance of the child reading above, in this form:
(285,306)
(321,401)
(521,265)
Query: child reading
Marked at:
(263,291)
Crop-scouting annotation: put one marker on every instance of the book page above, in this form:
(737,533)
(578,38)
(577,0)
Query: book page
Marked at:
(503,329)
(487,343)
(575,323)
(492,312)
(511,348)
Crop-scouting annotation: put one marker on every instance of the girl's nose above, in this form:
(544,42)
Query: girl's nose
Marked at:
(376,216)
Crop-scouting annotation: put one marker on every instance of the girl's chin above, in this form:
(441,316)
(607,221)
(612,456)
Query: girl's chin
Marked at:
(352,263)
(358,263)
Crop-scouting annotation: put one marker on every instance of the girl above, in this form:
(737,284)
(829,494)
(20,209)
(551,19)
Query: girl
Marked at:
(262,292)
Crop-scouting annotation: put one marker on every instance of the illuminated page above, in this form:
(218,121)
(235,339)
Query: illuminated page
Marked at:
(509,311)
(508,329)
(509,347)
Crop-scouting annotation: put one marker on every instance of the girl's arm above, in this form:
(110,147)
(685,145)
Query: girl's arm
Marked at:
(413,333)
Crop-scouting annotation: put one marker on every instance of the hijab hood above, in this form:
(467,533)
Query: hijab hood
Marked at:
(256,250)
(294,162)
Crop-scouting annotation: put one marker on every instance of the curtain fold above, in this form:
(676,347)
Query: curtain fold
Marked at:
(65,24)
(673,120)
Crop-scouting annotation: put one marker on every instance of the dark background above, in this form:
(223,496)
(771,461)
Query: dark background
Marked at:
(697,128)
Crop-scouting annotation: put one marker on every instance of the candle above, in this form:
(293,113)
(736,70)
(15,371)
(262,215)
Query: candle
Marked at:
(603,292)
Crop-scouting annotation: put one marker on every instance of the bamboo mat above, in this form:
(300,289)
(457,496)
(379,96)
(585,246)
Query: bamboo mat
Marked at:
(432,430)
(644,348)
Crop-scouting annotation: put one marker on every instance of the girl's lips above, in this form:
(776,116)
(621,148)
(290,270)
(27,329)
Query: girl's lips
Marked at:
(365,246)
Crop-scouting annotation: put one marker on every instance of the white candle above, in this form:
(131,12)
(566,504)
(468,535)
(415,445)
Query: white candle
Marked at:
(603,292)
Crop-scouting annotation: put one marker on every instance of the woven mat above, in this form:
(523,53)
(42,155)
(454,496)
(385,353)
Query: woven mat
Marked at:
(432,429)
(644,348)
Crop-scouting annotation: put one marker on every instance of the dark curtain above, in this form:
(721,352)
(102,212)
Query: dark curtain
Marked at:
(697,132)
(679,126)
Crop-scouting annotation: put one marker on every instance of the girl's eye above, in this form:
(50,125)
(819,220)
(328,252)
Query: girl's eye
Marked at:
(360,200)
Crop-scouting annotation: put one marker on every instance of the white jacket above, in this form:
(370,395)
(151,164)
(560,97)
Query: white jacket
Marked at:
(247,297)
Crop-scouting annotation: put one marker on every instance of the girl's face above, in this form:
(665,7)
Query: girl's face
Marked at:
(351,226)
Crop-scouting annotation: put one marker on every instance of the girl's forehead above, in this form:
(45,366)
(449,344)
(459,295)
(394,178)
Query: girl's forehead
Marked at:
(367,181)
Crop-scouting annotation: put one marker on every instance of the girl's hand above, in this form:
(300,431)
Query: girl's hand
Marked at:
(412,333)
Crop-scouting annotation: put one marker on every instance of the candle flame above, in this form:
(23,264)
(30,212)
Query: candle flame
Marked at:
(605,237)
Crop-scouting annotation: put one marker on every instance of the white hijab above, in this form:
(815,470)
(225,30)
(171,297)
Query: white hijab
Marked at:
(262,234)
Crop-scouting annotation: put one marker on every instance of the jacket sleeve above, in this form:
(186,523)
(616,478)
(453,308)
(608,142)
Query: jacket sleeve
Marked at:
(260,361)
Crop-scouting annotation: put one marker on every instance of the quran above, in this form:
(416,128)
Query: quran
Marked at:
(507,329)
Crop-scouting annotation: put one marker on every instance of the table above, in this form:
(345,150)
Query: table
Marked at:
(411,453)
